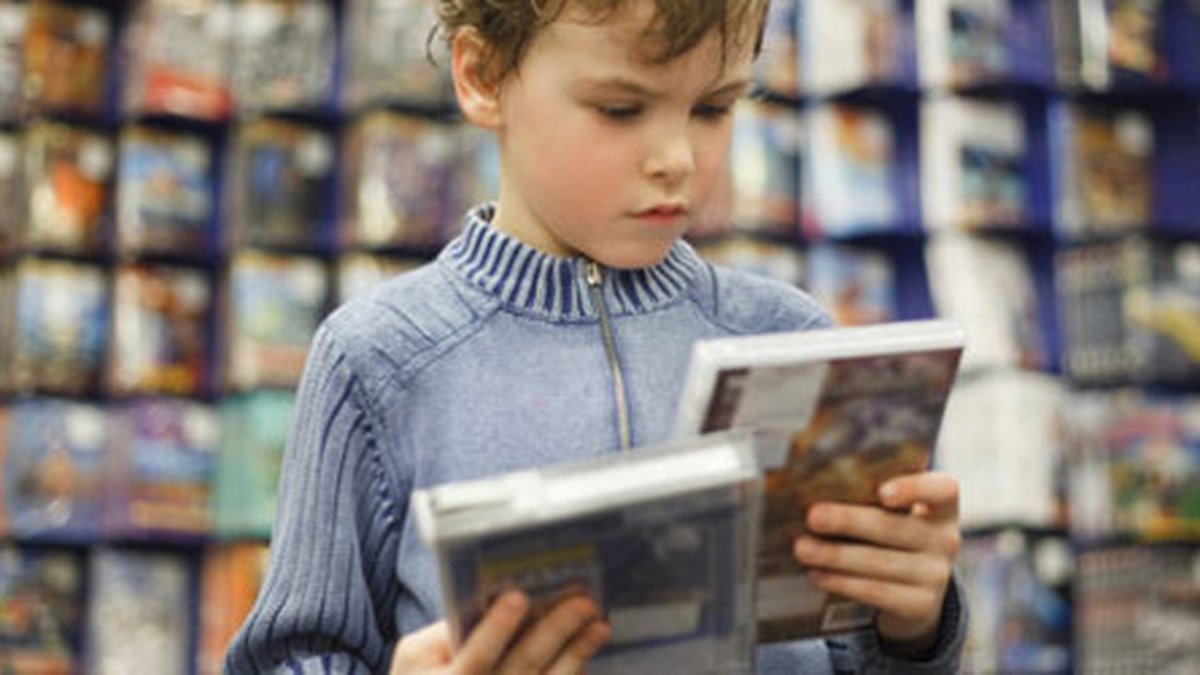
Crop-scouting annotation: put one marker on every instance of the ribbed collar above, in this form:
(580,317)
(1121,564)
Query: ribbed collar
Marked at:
(534,282)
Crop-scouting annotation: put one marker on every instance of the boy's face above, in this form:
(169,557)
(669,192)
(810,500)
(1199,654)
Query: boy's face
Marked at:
(604,154)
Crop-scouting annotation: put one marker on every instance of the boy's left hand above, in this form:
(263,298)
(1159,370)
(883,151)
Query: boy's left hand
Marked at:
(900,558)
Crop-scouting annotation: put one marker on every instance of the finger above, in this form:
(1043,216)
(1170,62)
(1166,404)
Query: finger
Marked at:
(884,564)
(898,601)
(938,491)
(490,639)
(546,639)
(423,649)
(885,528)
(576,656)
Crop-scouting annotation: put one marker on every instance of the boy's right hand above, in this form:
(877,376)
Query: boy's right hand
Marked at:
(560,643)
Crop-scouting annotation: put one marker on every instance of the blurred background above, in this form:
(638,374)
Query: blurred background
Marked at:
(187,187)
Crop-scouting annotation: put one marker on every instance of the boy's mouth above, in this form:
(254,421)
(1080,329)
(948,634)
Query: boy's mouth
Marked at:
(662,211)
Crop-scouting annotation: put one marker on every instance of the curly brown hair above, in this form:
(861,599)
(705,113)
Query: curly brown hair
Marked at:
(509,26)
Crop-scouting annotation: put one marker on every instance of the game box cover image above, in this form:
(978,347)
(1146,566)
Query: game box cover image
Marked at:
(836,412)
(660,538)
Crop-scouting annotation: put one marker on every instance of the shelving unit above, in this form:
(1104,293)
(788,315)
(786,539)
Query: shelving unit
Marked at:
(984,159)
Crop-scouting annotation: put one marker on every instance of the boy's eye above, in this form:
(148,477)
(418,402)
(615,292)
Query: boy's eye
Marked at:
(619,112)
(712,111)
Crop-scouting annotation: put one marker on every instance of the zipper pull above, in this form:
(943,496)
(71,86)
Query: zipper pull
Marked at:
(595,276)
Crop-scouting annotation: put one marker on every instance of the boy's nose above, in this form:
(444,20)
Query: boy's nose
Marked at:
(672,159)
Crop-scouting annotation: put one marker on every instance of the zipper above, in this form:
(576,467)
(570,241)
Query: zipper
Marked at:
(595,281)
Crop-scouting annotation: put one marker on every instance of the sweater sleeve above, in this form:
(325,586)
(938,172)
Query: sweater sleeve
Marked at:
(326,603)
(861,652)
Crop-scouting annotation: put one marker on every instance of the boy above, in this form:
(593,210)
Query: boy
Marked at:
(558,326)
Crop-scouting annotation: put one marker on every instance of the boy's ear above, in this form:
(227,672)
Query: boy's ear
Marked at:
(477,91)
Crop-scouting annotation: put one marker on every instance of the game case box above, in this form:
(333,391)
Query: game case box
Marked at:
(65,59)
(68,176)
(11,192)
(13,20)
(988,284)
(403,180)
(281,185)
(848,182)
(1018,585)
(165,194)
(178,54)
(273,305)
(835,413)
(852,44)
(231,575)
(160,470)
(41,610)
(56,327)
(283,55)
(54,464)
(856,283)
(254,431)
(162,330)
(138,619)
(660,538)
(386,61)
(1102,168)
(973,165)
(962,42)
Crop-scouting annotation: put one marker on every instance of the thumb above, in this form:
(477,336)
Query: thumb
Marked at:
(425,649)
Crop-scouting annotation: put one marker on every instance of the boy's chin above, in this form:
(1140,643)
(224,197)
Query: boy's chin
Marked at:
(644,256)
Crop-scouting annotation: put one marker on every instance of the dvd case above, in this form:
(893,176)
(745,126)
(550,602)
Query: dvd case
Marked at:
(178,59)
(851,44)
(1103,168)
(281,185)
(69,171)
(1107,44)
(962,42)
(59,321)
(1134,465)
(777,68)
(275,303)
(988,285)
(848,183)
(835,412)
(160,469)
(661,539)
(283,55)
(1130,311)
(402,182)
(53,475)
(856,283)
(12,192)
(138,620)
(161,331)
(41,591)
(385,56)
(13,20)
(66,59)
(765,169)
(165,194)
(1135,610)
(1000,438)
(254,430)
(231,577)
(1018,586)
(973,165)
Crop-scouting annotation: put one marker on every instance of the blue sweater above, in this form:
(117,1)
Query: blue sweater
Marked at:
(489,359)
